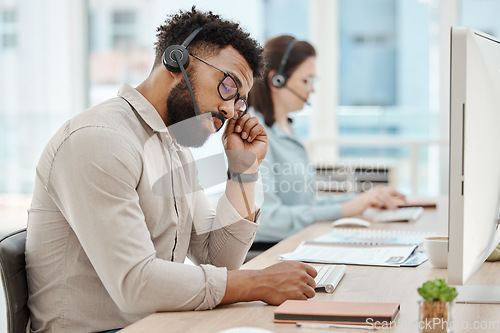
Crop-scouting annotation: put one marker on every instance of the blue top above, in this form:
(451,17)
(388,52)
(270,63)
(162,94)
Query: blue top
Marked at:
(290,199)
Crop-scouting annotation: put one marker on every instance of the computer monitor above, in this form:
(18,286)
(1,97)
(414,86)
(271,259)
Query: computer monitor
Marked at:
(474,184)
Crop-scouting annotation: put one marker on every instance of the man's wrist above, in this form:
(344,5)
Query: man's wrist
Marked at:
(242,177)
(240,286)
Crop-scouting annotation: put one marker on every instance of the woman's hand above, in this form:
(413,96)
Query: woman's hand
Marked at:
(378,197)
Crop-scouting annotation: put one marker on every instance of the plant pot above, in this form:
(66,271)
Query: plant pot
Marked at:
(435,316)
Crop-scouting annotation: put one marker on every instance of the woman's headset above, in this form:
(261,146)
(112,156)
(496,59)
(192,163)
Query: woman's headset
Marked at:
(279,78)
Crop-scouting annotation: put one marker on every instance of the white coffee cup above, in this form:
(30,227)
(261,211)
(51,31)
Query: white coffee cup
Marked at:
(437,251)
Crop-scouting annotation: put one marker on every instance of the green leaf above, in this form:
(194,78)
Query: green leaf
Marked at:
(437,290)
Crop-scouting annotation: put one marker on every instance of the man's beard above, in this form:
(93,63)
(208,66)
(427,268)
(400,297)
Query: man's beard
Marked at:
(188,129)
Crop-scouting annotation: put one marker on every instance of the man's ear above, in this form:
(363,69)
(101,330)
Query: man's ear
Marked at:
(164,80)
(176,76)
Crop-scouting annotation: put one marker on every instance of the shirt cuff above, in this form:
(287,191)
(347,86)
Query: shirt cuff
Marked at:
(215,286)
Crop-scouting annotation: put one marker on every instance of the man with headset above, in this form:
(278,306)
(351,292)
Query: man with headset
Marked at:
(117,206)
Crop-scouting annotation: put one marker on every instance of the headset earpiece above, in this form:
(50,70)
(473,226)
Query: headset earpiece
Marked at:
(279,78)
(170,61)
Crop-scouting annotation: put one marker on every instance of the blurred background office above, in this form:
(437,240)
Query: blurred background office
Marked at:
(382,92)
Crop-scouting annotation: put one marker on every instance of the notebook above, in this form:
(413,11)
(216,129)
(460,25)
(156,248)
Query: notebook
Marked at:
(358,313)
(420,203)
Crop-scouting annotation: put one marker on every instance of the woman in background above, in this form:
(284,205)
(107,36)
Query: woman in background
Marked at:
(290,201)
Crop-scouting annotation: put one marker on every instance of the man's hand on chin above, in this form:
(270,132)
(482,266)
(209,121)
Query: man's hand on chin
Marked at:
(245,142)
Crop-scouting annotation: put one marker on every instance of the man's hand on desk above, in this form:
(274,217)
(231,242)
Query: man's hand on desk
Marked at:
(378,197)
(273,285)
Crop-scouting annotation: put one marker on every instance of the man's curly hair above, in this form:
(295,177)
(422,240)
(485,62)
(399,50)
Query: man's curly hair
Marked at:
(215,35)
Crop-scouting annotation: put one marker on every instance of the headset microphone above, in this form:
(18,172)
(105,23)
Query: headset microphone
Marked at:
(195,105)
(298,96)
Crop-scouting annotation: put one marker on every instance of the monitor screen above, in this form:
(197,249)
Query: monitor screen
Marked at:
(474,187)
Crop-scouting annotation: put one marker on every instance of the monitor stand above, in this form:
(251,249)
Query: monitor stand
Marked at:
(478,294)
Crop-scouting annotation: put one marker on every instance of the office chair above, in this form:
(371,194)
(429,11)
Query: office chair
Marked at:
(15,285)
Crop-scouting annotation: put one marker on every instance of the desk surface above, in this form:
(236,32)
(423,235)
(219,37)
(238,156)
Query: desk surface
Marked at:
(360,283)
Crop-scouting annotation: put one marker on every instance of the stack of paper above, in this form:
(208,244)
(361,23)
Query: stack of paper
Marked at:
(374,255)
(373,237)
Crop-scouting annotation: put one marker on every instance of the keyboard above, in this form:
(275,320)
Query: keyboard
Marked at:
(408,214)
(328,277)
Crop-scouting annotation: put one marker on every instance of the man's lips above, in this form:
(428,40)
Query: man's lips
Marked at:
(217,123)
(211,126)
(218,120)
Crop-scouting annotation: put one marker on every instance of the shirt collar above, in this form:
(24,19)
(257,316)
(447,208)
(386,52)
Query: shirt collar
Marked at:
(147,111)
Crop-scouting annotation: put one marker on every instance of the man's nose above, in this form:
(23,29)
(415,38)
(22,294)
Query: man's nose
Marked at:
(227,109)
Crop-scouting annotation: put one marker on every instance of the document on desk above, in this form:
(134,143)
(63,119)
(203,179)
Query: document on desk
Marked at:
(372,255)
(373,237)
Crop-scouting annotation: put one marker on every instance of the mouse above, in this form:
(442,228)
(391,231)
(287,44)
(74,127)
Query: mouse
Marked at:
(350,222)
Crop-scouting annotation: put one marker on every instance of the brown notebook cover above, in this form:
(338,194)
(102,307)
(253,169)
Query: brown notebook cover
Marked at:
(362,313)
(415,203)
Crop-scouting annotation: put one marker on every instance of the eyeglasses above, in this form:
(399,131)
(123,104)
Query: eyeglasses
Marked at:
(228,89)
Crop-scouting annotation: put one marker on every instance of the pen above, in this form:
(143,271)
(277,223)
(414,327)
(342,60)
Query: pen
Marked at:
(322,325)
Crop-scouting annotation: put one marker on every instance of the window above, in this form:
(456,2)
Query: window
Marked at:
(385,112)
(481,15)
(8,29)
(368,52)
(124,29)
(121,49)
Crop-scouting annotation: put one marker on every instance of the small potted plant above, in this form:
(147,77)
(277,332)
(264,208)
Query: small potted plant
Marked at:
(435,309)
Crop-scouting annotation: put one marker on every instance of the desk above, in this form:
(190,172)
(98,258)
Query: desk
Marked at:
(360,283)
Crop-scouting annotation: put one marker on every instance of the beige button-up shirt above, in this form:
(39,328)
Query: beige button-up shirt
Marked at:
(116,208)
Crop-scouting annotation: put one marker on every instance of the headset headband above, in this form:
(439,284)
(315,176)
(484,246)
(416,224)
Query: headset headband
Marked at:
(279,78)
(288,51)
(190,38)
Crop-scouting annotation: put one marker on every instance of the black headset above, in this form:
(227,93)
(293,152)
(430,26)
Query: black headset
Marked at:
(279,78)
(172,62)
(176,59)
